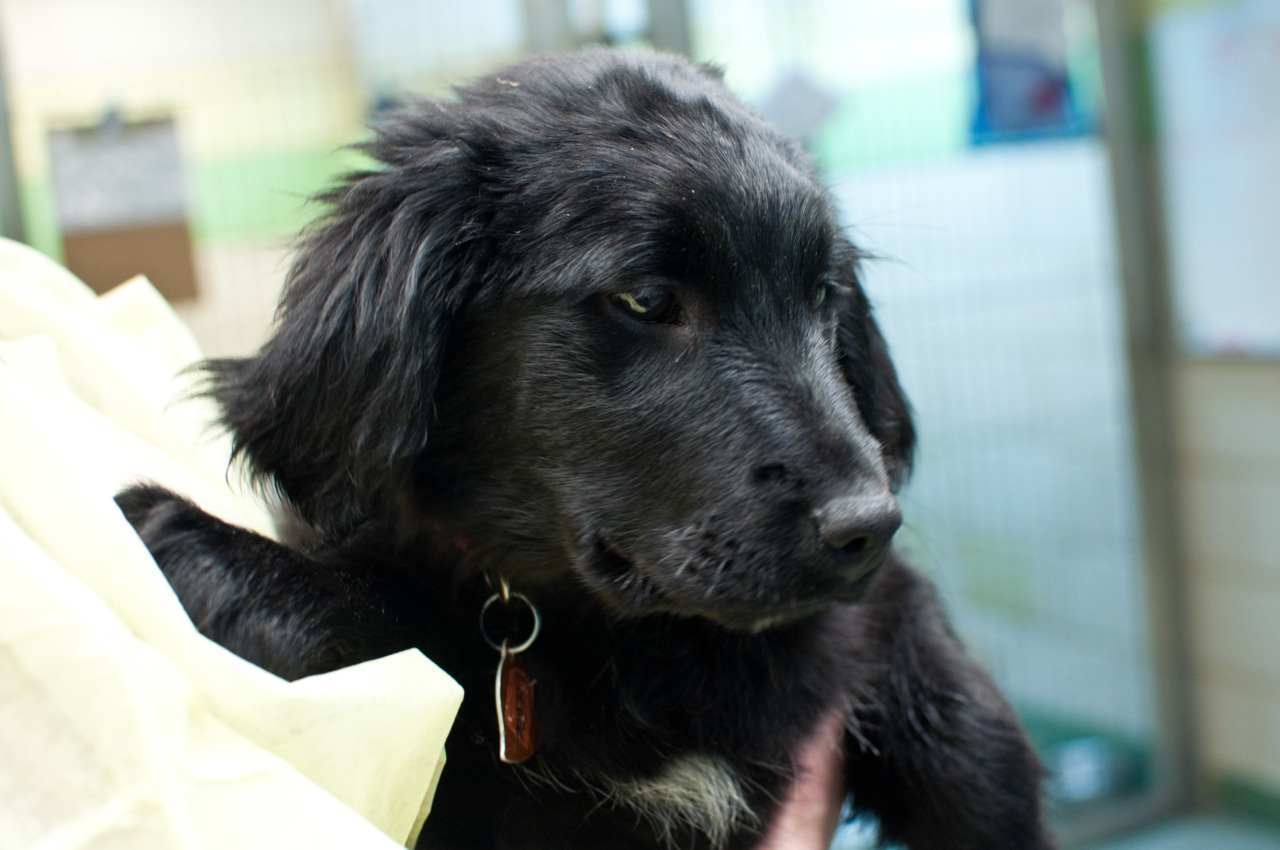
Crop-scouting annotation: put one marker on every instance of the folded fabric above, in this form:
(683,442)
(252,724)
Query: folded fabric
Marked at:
(120,725)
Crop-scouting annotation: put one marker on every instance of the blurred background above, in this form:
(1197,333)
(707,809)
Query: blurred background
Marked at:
(1075,212)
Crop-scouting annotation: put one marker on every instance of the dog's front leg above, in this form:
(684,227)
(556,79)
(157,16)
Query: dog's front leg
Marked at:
(267,603)
(933,750)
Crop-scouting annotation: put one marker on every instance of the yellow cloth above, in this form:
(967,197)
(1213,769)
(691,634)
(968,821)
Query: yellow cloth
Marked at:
(120,725)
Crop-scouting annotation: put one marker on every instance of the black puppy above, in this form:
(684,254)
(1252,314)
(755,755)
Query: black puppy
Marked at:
(591,333)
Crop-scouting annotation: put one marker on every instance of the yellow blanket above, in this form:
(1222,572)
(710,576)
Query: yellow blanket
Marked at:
(120,725)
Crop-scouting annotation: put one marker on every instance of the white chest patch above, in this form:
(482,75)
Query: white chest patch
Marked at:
(694,791)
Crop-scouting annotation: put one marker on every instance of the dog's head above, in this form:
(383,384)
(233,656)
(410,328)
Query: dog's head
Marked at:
(591,320)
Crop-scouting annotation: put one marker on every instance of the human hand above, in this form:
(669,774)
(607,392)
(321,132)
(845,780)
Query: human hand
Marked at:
(810,811)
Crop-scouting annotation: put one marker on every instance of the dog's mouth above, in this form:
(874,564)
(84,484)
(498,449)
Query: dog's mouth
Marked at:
(622,581)
(618,575)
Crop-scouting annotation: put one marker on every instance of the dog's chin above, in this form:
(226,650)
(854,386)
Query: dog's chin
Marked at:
(783,613)
(631,591)
(757,622)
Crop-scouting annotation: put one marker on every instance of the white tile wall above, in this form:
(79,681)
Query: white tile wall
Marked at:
(1229,452)
(1240,727)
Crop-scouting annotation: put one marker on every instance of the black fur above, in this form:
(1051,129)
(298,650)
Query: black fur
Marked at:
(699,506)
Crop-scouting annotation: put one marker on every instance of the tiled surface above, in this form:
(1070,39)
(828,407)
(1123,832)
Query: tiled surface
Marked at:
(1229,457)
(1231,514)
(1231,412)
(1238,627)
(1240,727)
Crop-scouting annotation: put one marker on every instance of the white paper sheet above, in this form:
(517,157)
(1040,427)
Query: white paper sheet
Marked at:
(120,725)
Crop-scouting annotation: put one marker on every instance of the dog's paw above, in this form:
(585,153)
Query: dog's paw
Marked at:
(159,515)
(140,501)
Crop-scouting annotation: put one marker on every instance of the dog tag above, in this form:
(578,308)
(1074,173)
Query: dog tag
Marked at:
(513,693)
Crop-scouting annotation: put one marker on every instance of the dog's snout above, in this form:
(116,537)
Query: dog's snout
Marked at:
(856,526)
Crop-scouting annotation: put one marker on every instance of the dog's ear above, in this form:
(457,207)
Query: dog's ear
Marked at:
(335,407)
(864,354)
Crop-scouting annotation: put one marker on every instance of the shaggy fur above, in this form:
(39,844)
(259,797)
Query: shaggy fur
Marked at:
(592,328)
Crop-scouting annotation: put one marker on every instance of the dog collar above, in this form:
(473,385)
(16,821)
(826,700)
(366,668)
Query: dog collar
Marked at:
(510,623)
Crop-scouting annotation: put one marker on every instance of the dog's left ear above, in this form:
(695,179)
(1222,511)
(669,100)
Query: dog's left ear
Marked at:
(864,354)
(336,406)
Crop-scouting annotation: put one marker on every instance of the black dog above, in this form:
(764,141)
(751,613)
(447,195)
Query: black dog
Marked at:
(592,333)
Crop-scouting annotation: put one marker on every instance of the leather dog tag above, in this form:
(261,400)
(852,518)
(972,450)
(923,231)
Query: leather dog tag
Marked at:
(517,724)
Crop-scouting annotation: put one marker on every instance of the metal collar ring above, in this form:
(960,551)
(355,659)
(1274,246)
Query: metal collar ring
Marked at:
(533,633)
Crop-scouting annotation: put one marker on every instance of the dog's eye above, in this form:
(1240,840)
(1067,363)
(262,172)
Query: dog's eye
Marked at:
(829,294)
(651,304)
(826,293)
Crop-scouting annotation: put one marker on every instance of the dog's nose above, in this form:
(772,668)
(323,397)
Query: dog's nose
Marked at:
(855,527)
